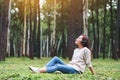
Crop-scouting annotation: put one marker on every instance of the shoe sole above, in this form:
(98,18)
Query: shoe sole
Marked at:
(31,69)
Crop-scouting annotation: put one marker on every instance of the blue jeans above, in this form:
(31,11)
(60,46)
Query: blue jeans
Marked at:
(56,64)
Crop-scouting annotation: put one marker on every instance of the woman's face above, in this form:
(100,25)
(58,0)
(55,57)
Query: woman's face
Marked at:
(78,40)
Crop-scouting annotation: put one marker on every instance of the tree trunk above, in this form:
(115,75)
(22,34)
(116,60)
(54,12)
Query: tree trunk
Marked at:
(24,34)
(94,35)
(118,23)
(85,17)
(39,30)
(77,17)
(111,28)
(62,31)
(49,29)
(75,28)
(117,49)
(0,15)
(97,24)
(53,51)
(8,35)
(4,29)
(104,31)
(71,30)
(54,25)
(27,36)
(31,33)
(35,26)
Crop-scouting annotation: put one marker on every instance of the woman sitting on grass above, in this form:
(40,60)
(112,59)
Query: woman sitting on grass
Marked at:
(80,59)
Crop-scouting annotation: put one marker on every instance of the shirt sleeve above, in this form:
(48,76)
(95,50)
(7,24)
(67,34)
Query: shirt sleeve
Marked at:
(87,57)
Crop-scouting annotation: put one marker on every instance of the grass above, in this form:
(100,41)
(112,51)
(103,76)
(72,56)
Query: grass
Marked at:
(17,69)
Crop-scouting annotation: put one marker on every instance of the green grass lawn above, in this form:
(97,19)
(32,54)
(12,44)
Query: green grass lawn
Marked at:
(17,69)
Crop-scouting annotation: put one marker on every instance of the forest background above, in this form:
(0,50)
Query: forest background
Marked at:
(31,28)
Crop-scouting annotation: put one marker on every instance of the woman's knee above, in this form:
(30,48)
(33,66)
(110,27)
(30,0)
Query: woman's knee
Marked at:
(59,66)
(55,57)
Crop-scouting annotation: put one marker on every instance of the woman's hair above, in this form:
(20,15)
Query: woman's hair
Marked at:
(85,41)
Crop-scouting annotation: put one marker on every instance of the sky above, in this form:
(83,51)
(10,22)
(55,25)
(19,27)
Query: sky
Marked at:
(41,2)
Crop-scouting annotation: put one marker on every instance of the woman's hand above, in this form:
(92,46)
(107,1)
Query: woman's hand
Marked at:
(92,70)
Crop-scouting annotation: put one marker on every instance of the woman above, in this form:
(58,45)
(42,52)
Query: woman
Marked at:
(80,59)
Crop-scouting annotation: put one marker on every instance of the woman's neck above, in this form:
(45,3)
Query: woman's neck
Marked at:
(80,46)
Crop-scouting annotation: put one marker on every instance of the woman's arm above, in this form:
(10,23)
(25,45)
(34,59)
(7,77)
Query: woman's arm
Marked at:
(92,70)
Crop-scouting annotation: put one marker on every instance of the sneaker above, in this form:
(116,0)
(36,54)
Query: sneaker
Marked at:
(34,69)
(58,72)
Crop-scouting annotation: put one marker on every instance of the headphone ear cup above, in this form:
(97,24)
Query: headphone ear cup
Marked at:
(84,42)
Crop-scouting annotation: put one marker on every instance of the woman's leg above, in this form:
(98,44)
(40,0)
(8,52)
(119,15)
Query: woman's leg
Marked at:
(51,64)
(53,61)
(62,68)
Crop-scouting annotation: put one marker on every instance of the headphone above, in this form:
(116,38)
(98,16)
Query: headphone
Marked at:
(84,40)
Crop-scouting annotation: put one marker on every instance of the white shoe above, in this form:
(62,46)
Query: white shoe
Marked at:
(58,72)
(34,69)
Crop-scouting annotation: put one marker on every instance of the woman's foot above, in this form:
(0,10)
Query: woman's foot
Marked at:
(34,69)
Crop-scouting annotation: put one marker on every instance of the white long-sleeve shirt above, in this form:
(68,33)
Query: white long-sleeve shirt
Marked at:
(81,58)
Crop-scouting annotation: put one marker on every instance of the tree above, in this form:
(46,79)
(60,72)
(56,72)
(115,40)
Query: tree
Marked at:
(31,32)
(97,24)
(112,28)
(4,29)
(85,16)
(78,17)
(54,25)
(104,31)
(118,24)
(63,30)
(53,48)
(39,30)
(0,14)
(24,34)
(93,30)
(49,26)
(8,35)
(117,42)
(76,22)
(35,25)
